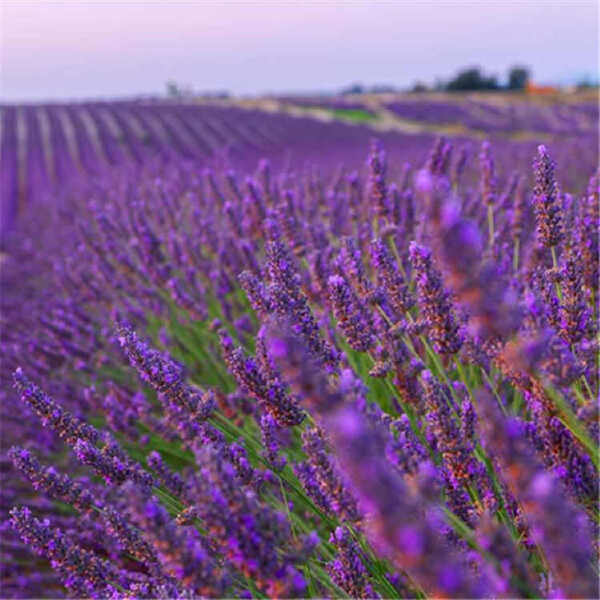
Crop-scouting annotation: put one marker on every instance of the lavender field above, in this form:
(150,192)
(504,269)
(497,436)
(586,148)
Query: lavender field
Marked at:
(255,354)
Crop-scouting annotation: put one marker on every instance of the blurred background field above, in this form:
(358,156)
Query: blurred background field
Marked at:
(56,142)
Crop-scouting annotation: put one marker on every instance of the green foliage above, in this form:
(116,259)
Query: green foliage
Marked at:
(472,79)
(354,114)
(518,77)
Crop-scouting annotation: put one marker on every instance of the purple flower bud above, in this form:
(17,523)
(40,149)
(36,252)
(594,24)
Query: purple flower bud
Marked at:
(347,569)
(556,524)
(390,278)
(256,292)
(435,307)
(170,479)
(350,314)
(326,473)
(165,376)
(52,415)
(573,314)
(377,179)
(488,175)
(546,201)
(49,481)
(263,386)
(67,558)
(114,469)
(269,430)
(350,264)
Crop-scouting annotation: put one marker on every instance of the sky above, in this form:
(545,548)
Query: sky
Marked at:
(85,49)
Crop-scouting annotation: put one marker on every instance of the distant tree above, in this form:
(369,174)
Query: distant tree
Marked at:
(419,86)
(173,90)
(586,84)
(518,77)
(472,79)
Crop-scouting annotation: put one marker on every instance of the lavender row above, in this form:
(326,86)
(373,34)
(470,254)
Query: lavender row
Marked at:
(502,116)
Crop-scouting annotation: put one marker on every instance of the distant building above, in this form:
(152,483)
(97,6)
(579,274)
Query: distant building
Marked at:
(540,90)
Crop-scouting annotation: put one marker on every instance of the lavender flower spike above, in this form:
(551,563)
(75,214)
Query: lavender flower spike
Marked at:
(114,469)
(390,278)
(68,558)
(351,315)
(556,524)
(377,182)
(52,483)
(488,175)
(52,415)
(164,375)
(434,302)
(269,391)
(347,569)
(547,207)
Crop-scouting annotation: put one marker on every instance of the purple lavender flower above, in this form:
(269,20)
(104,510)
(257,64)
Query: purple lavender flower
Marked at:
(97,575)
(184,554)
(289,355)
(573,314)
(348,570)
(135,544)
(377,179)
(307,475)
(52,415)
(185,300)
(351,315)
(586,229)
(170,479)
(164,375)
(280,264)
(488,175)
(269,391)
(457,455)
(480,286)
(556,525)
(546,201)
(562,454)
(287,298)
(327,476)
(269,430)
(50,481)
(436,160)
(256,292)
(435,307)
(350,264)
(515,576)
(112,466)
(404,449)
(460,468)
(256,533)
(390,278)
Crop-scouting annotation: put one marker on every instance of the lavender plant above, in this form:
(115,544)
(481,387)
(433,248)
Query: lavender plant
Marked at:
(295,383)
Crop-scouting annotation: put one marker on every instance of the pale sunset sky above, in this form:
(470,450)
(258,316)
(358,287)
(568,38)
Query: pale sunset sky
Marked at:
(86,49)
